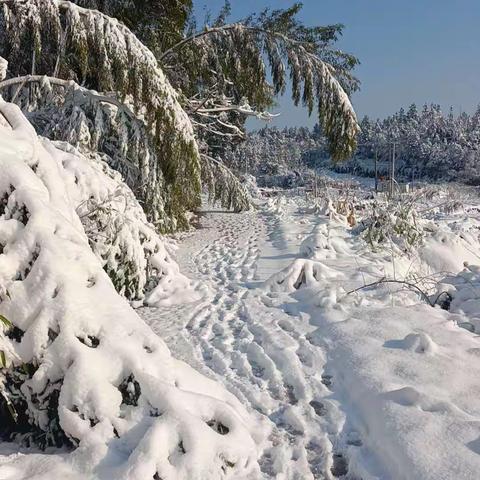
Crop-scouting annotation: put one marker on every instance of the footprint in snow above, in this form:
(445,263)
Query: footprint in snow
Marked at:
(340,465)
(353,439)
(327,380)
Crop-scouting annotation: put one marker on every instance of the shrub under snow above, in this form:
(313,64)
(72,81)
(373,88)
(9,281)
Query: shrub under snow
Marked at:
(89,373)
(393,223)
(136,259)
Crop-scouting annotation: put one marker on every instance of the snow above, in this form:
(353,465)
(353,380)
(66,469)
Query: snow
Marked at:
(463,296)
(296,361)
(132,410)
(3,68)
(120,235)
(375,383)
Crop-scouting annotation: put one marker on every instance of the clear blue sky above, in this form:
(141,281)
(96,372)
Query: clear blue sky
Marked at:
(418,51)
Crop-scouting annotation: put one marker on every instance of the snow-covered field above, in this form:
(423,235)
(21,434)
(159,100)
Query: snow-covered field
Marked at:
(375,384)
(366,384)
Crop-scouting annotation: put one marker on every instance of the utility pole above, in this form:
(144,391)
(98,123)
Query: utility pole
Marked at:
(392,170)
(376,170)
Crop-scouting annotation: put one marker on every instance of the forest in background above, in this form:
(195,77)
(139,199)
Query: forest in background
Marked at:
(429,145)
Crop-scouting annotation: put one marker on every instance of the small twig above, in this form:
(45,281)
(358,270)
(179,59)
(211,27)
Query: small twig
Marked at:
(401,282)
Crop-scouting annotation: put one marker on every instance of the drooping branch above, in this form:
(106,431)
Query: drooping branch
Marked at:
(316,82)
(96,51)
(223,185)
(224,28)
(69,84)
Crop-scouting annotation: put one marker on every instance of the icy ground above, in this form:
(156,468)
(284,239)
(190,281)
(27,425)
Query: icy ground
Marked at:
(375,384)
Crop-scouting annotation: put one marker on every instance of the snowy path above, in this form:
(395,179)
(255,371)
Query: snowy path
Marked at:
(255,350)
(328,405)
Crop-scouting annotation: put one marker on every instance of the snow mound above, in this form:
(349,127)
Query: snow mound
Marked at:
(415,342)
(90,373)
(316,245)
(301,273)
(276,206)
(448,251)
(323,242)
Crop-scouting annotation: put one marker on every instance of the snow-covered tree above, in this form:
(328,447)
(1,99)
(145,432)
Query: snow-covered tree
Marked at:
(220,70)
(230,70)
(53,47)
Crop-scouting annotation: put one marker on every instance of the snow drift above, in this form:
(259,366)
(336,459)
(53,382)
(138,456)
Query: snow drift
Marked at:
(90,374)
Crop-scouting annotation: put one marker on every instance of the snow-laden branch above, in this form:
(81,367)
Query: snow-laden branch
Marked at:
(99,52)
(242,109)
(223,185)
(313,78)
(69,84)
(225,28)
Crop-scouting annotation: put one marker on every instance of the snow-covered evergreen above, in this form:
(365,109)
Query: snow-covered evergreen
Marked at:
(141,125)
(136,258)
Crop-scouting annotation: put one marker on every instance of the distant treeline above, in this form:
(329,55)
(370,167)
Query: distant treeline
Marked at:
(428,144)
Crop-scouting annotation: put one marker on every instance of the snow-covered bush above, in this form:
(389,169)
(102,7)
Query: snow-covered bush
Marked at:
(136,258)
(277,206)
(393,222)
(90,374)
(317,245)
(250,184)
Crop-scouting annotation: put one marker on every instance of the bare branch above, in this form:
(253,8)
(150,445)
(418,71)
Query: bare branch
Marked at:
(405,283)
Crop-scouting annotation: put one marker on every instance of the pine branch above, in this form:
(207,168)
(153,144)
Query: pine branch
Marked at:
(224,28)
(223,185)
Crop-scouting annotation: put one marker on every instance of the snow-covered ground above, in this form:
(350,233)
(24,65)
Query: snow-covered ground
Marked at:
(371,384)
(375,384)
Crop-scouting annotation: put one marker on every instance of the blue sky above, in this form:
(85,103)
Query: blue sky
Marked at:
(418,51)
